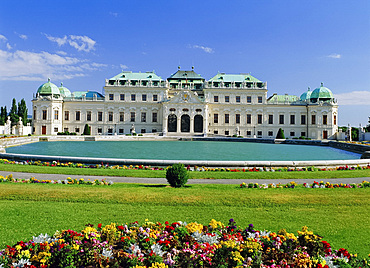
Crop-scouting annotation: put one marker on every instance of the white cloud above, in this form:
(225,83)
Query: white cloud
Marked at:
(123,67)
(334,56)
(205,49)
(62,53)
(38,66)
(353,98)
(8,46)
(3,38)
(114,14)
(23,36)
(81,43)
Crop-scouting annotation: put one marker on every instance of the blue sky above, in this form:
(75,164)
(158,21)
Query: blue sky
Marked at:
(292,45)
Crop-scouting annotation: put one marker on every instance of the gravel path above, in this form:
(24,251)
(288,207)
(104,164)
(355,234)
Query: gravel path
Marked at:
(21,175)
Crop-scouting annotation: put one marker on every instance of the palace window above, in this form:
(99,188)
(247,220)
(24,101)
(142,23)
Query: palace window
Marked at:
(259,133)
(249,99)
(110,116)
(292,119)
(143,97)
(143,130)
(226,132)
(303,119)
(259,99)
(121,131)
(313,119)
(121,116)
(259,118)
(249,133)
(303,134)
(227,99)
(324,119)
(88,116)
(100,116)
(56,114)
(34,114)
(249,119)
(237,99)
(270,133)
(215,132)
(77,129)
(292,133)
(154,117)
(100,130)
(44,114)
(271,119)
(66,129)
(237,119)
(133,97)
(154,130)
(215,118)
(227,118)
(335,119)
(78,116)
(132,117)
(55,129)
(111,96)
(110,130)
(281,119)
(155,97)
(122,97)
(66,115)
(143,117)
(215,98)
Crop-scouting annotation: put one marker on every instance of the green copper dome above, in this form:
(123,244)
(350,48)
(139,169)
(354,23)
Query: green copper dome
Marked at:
(65,92)
(306,95)
(321,93)
(48,89)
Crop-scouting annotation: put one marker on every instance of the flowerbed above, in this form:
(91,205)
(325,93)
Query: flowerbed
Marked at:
(177,245)
(315,184)
(10,178)
(189,168)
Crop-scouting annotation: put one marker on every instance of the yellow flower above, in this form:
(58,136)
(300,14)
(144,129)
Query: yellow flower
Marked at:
(193,227)
(214,224)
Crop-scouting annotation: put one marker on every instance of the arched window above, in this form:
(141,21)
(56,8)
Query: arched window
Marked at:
(198,123)
(185,123)
(172,123)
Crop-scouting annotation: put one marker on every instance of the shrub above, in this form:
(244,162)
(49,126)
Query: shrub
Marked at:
(280,134)
(177,175)
(87,130)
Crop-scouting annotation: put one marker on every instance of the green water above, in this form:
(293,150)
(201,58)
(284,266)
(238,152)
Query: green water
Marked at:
(184,150)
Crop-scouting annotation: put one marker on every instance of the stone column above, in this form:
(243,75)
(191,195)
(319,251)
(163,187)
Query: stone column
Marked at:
(179,124)
(192,124)
(164,125)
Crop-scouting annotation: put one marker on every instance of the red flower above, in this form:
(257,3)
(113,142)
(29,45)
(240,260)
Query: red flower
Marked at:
(120,227)
(99,225)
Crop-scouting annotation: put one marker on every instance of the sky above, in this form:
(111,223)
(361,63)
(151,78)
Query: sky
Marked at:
(290,44)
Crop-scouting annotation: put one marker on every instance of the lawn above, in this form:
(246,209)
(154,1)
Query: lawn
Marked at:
(340,215)
(327,174)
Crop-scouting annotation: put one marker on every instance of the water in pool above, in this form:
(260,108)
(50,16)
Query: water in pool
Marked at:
(184,150)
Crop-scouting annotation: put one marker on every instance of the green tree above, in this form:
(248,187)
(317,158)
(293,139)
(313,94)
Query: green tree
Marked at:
(280,134)
(3,115)
(87,130)
(14,113)
(177,176)
(22,111)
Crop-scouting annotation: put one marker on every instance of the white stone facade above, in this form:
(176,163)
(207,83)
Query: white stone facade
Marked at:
(184,105)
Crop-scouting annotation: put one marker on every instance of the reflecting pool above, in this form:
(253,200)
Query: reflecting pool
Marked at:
(185,150)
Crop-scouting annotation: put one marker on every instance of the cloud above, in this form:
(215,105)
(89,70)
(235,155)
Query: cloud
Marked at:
(8,46)
(123,67)
(22,36)
(62,53)
(205,49)
(334,56)
(353,98)
(38,66)
(114,14)
(3,38)
(81,43)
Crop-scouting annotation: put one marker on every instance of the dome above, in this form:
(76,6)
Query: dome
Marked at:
(65,92)
(48,89)
(321,93)
(306,95)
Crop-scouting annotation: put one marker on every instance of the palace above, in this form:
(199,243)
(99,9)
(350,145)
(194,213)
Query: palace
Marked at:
(185,104)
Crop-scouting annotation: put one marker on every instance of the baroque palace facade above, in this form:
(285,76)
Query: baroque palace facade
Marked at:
(185,104)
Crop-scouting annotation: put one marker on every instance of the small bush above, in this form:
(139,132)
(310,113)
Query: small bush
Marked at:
(177,175)
(280,134)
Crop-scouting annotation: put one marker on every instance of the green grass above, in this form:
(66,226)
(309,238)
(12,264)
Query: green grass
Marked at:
(193,175)
(340,215)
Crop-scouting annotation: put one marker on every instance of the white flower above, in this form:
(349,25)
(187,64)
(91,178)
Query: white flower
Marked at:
(205,238)
(21,263)
(157,249)
(107,253)
(41,238)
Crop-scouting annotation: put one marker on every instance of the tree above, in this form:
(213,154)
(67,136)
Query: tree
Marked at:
(14,113)
(280,134)
(22,111)
(87,130)
(177,176)
(3,115)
